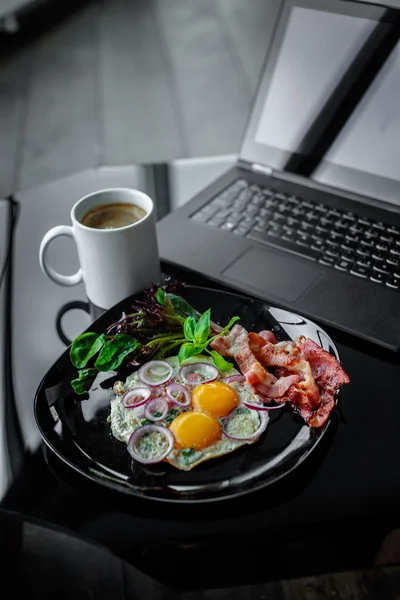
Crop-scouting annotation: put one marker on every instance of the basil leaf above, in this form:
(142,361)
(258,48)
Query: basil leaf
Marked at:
(188,350)
(219,361)
(160,296)
(182,306)
(189,328)
(231,322)
(114,351)
(84,380)
(202,329)
(84,347)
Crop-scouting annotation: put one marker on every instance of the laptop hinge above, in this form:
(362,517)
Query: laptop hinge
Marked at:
(261,168)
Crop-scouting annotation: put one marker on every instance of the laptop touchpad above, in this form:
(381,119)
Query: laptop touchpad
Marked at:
(273,274)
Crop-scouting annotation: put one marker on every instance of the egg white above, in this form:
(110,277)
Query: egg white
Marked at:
(124,421)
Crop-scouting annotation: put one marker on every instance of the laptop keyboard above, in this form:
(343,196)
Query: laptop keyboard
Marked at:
(334,238)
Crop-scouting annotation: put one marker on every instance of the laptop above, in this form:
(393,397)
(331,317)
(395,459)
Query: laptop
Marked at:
(309,218)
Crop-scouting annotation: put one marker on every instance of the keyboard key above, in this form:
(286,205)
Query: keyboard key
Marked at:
(365,262)
(343,265)
(360,271)
(216,221)
(383,268)
(366,244)
(395,251)
(303,238)
(265,238)
(364,221)
(289,235)
(378,225)
(393,283)
(393,230)
(341,224)
(331,252)
(329,261)
(392,260)
(349,246)
(346,255)
(378,277)
(349,216)
(242,229)
(200,217)
(228,226)
(306,226)
(363,252)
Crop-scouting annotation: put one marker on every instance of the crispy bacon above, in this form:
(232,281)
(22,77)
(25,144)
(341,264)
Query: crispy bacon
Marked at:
(327,371)
(268,336)
(307,377)
(238,344)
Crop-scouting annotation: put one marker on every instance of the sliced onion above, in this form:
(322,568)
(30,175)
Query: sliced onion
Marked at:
(262,407)
(158,405)
(136,397)
(151,368)
(233,378)
(181,392)
(206,371)
(264,418)
(139,433)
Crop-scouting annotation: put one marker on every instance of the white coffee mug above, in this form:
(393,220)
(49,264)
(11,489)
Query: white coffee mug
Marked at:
(114,262)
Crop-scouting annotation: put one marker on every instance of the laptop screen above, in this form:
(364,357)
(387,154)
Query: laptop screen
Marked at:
(329,103)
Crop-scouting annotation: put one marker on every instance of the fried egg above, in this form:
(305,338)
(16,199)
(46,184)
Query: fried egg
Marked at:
(198,428)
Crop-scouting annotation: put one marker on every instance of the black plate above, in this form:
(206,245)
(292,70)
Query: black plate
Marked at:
(78,432)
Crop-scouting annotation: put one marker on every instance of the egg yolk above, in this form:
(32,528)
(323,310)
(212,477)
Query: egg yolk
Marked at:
(195,430)
(216,397)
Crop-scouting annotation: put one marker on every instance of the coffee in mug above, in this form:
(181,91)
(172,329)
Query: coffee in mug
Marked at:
(115,233)
(113,216)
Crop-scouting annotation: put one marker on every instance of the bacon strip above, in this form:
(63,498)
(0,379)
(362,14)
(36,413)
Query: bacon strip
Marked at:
(327,371)
(238,344)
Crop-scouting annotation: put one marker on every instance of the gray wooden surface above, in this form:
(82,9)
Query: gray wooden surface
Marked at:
(123,81)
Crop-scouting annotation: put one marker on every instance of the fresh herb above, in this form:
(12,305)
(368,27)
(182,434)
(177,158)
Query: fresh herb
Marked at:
(85,347)
(145,422)
(170,416)
(188,451)
(242,411)
(82,383)
(157,414)
(158,325)
(219,361)
(114,351)
(198,339)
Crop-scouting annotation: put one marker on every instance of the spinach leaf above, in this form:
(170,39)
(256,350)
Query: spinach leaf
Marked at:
(188,350)
(182,306)
(85,378)
(114,351)
(202,329)
(219,361)
(84,347)
(189,328)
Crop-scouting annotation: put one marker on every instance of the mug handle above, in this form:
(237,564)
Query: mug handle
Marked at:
(67,280)
(74,304)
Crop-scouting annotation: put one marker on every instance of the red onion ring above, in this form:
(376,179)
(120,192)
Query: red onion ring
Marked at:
(180,389)
(261,407)
(147,367)
(205,367)
(137,436)
(264,418)
(233,378)
(128,399)
(157,405)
